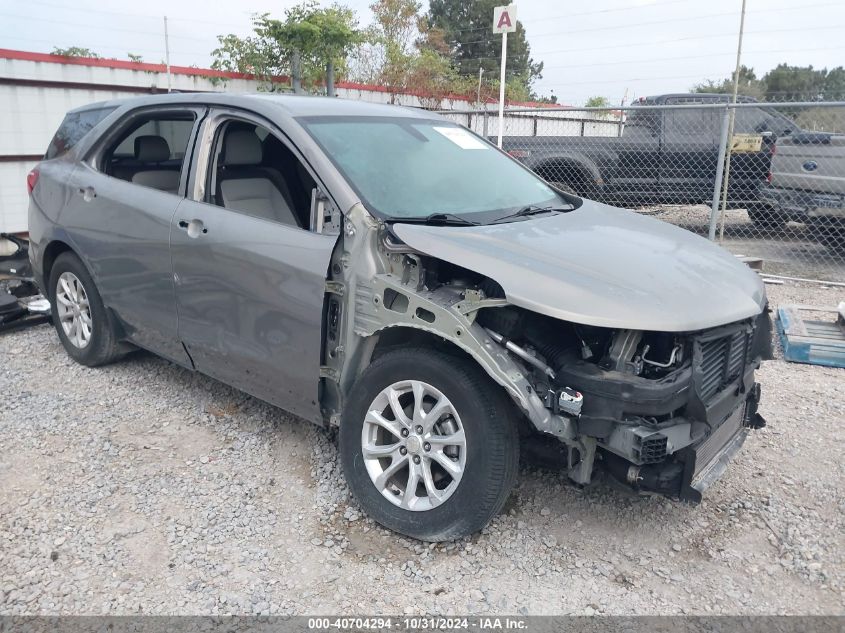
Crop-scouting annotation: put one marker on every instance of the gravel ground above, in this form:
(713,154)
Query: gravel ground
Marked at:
(144,488)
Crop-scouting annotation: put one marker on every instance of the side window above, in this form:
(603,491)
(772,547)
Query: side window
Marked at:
(692,124)
(253,172)
(151,151)
(642,122)
(759,120)
(74,126)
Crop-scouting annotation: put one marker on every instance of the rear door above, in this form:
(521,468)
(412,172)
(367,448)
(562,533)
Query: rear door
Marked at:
(689,154)
(122,228)
(632,174)
(250,281)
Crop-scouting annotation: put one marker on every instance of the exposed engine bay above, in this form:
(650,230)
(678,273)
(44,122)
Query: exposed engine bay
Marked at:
(661,412)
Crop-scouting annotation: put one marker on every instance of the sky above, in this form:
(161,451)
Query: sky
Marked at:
(604,48)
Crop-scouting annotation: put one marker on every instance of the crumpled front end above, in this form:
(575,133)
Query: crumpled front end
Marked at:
(659,408)
(674,432)
(666,410)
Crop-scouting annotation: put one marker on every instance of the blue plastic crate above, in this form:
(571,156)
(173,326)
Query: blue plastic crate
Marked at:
(811,341)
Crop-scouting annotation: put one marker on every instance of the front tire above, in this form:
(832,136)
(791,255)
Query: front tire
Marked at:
(428,444)
(79,315)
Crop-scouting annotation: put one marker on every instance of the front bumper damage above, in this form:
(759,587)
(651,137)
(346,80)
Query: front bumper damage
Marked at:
(705,463)
(689,472)
(675,436)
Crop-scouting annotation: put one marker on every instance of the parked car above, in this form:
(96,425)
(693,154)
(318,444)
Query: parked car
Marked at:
(386,271)
(807,184)
(664,155)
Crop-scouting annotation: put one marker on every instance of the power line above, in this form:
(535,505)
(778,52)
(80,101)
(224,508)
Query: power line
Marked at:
(686,19)
(131,49)
(75,9)
(614,81)
(703,56)
(707,36)
(613,10)
(100,26)
(657,4)
(637,24)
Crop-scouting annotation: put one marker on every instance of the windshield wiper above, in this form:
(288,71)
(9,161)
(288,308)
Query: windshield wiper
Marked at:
(532,209)
(440,219)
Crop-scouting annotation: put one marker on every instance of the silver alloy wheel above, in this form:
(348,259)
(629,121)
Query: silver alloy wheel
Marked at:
(414,445)
(73,309)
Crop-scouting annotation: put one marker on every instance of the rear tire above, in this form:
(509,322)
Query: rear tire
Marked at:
(80,318)
(829,233)
(472,433)
(766,218)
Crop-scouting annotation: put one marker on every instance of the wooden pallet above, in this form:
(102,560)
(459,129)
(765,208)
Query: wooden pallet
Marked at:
(813,342)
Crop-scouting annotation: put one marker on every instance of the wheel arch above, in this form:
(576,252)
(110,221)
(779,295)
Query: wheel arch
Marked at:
(570,170)
(397,336)
(394,336)
(51,253)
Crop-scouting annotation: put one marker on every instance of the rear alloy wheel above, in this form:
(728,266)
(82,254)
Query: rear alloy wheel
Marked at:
(73,310)
(79,316)
(429,444)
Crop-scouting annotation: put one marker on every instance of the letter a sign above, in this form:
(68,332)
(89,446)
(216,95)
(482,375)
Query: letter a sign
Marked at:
(504,19)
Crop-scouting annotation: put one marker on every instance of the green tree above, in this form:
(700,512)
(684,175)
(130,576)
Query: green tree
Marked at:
(784,83)
(391,42)
(748,86)
(75,51)
(466,29)
(135,58)
(433,78)
(338,34)
(597,102)
(260,54)
(834,84)
(794,83)
(310,43)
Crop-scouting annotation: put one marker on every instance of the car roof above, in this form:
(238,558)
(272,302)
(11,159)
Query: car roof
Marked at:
(293,105)
(693,97)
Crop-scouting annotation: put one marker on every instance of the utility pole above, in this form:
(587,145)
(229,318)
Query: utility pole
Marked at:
(622,114)
(478,98)
(727,175)
(504,22)
(502,87)
(167,52)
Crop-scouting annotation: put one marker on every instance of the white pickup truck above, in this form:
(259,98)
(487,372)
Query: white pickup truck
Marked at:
(807,184)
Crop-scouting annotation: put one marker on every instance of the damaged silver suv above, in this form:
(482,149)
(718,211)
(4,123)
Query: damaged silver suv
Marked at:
(388,272)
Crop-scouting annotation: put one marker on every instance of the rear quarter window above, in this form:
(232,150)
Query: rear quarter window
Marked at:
(74,126)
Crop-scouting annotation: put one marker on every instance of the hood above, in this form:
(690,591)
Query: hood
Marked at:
(602,266)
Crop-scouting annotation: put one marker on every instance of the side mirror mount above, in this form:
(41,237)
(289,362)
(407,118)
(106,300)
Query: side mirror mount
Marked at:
(324,217)
(318,210)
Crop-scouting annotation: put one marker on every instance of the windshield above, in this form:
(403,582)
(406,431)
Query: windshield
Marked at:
(409,168)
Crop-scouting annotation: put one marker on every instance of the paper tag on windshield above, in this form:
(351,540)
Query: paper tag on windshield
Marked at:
(461,138)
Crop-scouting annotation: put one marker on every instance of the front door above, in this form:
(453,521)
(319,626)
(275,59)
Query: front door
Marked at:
(250,276)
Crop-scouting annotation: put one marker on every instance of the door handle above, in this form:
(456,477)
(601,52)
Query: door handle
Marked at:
(87,193)
(194,227)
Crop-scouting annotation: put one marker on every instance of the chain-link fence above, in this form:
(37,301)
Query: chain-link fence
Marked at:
(764,180)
